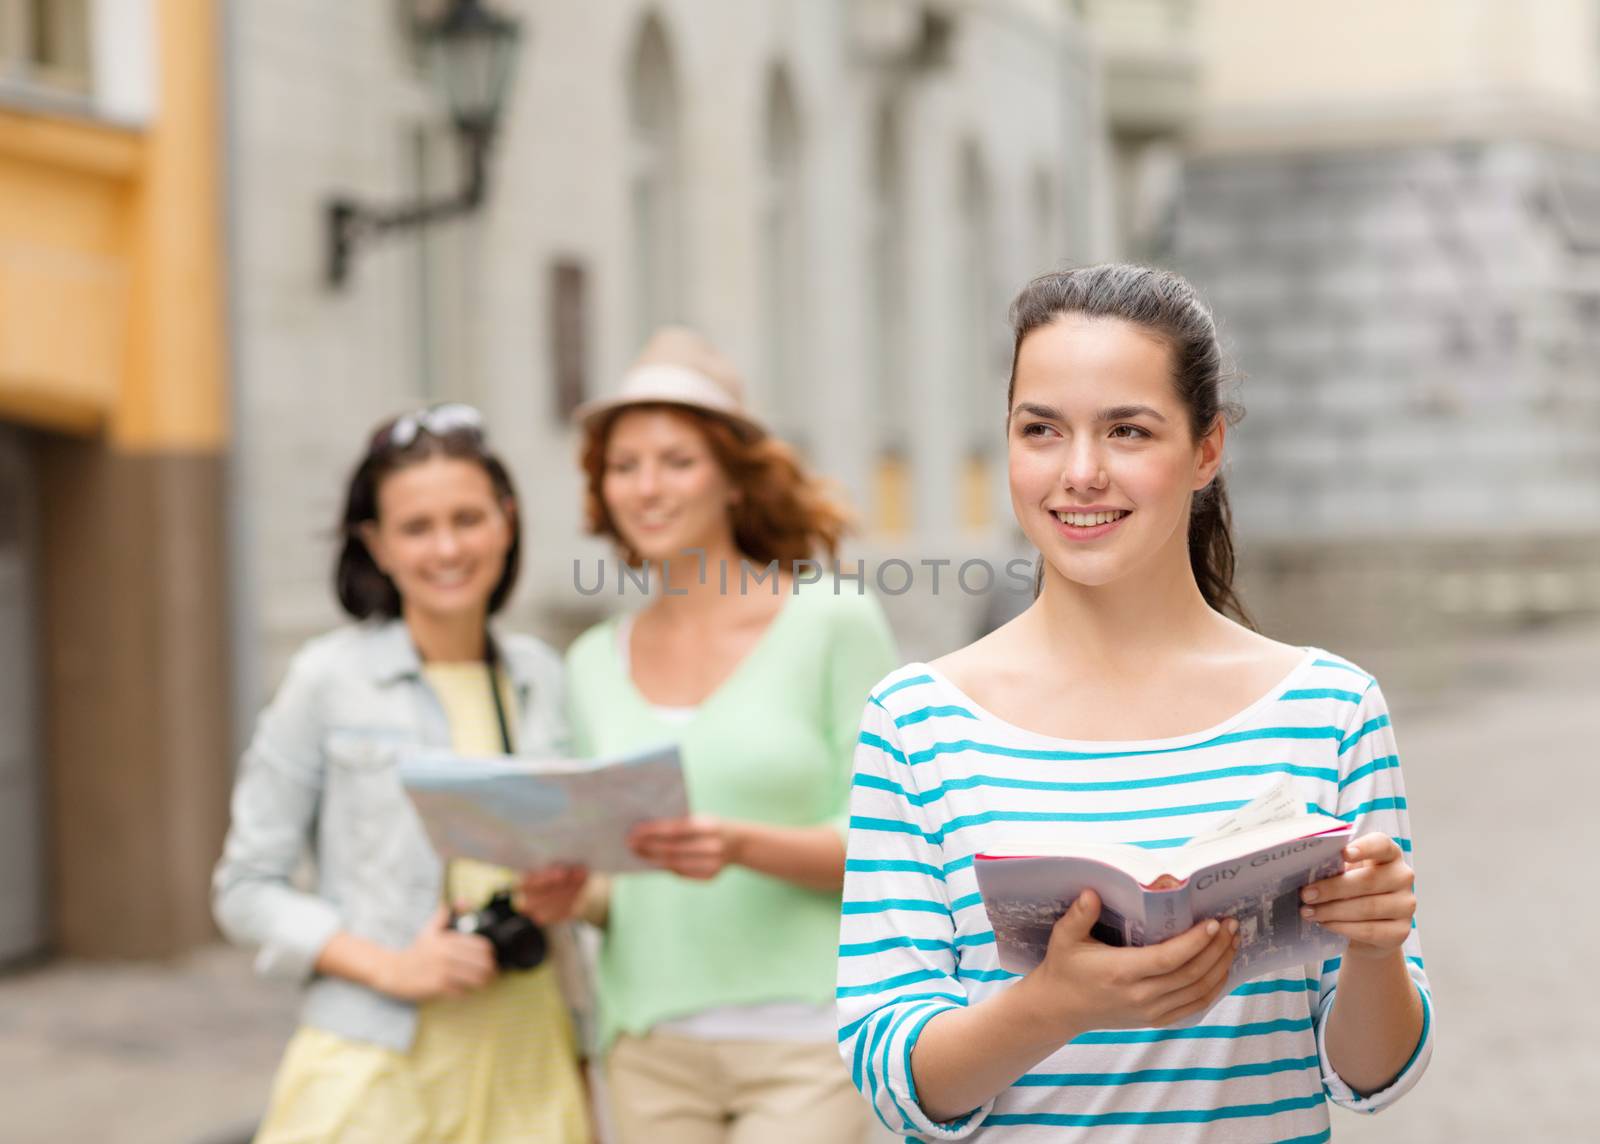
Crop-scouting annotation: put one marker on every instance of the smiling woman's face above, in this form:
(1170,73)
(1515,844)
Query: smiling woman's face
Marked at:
(442,536)
(1103,463)
(663,486)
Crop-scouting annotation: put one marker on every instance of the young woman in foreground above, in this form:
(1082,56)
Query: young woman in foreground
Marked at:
(1123,706)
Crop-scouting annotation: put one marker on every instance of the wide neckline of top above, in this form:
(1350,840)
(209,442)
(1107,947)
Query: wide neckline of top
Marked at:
(1106,746)
(689,713)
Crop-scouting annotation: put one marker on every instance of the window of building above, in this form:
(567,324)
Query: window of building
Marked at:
(783,264)
(569,335)
(985,347)
(655,177)
(886,253)
(45,43)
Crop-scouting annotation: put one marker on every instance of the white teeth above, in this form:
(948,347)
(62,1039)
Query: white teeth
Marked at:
(1089,519)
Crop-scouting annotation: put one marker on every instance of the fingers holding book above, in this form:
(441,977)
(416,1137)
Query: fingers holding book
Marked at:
(1095,986)
(1372,902)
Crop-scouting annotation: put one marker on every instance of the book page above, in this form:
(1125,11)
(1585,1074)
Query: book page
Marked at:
(1189,859)
(1273,805)
(525,814)
(1144,866)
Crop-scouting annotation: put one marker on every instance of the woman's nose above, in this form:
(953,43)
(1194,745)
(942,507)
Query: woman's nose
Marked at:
(1085,468)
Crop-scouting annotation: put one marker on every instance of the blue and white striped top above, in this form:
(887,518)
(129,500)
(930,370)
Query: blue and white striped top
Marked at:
(938,779)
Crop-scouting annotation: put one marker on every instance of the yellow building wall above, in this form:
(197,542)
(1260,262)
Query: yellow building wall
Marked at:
(111,308)
(65,192)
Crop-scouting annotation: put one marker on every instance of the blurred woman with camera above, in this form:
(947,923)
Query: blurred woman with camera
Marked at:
(716,974)
(411,1030)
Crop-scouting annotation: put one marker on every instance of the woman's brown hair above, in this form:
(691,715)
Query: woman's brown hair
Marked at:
(784,513)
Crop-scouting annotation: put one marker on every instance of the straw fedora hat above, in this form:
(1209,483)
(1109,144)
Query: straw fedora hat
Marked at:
(679,366)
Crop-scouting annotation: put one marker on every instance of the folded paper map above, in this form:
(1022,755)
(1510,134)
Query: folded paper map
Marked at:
(529,813)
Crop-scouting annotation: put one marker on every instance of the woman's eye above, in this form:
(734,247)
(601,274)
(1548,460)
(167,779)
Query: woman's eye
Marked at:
(414,528)
(1035,429)
(1129,432)
(681,462)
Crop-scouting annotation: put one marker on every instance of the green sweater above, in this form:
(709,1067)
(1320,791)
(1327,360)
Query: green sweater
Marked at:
(774,744)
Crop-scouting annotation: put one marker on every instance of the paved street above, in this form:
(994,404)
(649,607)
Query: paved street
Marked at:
(1503,774)
(1502,770)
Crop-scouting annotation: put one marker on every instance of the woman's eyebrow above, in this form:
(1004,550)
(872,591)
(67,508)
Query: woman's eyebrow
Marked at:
(1113,413)
(1128,412)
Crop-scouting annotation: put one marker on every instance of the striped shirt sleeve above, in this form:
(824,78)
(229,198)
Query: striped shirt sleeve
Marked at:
(897,946)
(1372,795)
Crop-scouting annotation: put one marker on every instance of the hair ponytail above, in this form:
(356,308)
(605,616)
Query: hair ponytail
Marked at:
(1211,555)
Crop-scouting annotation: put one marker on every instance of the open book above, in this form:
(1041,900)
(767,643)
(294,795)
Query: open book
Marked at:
(528,813)
(1252,867)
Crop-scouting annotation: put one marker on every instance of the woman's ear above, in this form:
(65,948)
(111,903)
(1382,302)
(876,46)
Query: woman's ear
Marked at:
(1210,454)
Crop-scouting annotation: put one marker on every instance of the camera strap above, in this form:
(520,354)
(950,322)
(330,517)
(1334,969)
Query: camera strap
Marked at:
(490,660)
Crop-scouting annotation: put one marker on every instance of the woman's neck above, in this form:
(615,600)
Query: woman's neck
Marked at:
(1130,622)
(447,639)
(692,586)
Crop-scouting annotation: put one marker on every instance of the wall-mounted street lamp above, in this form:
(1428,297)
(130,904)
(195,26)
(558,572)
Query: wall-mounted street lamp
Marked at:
(473,51)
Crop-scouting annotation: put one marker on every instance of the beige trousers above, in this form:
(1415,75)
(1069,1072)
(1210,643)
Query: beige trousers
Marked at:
(678,1090)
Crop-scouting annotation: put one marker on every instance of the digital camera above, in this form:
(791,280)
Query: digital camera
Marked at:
(517,940)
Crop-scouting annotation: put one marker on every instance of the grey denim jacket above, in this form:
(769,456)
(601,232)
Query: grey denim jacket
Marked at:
(320,774)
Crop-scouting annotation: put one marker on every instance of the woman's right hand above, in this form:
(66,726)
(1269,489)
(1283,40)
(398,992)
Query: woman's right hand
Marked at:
(439,963)
(1088,985)
(554,893)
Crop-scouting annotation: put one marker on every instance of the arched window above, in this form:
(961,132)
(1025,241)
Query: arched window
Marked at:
(783,262)
(886,252)
(655,194)
(985,350)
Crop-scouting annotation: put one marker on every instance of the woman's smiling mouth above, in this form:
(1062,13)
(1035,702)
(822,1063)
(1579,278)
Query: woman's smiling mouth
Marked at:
(1088,524)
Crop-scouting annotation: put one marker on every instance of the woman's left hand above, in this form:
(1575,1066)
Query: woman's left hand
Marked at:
(699,846)
(1371,903)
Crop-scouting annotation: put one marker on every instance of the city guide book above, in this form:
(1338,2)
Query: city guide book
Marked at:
(530,813)
(1251,867)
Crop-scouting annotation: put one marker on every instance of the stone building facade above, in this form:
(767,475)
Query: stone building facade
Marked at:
(843,195)
(1394,211)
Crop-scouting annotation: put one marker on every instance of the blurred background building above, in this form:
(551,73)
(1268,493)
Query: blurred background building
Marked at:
(114,663)
(842,193)
(1395,211)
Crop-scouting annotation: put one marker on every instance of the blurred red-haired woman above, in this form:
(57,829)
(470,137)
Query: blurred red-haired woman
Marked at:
(716,974)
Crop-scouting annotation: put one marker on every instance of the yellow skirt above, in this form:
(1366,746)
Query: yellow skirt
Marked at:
(497,1066)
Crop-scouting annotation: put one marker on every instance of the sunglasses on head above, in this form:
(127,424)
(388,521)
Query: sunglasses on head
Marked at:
(435,420)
